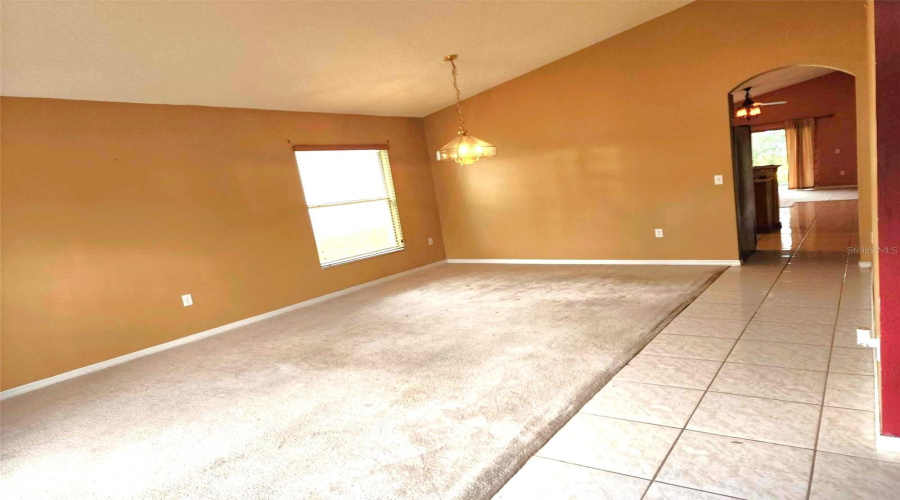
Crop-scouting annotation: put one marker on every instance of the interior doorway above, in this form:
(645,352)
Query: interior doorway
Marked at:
(793,133)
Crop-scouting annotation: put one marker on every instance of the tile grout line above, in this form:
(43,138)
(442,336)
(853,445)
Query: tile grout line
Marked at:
(812,465)
(792,257)
(622,419)
(760,364)
(768,399)
(675,442)
(766,321)
(650,383)
(698,490)
(723,392)
(712,380)
(857,457)
(586,467)
(755,364)
(687,421)
(651,481)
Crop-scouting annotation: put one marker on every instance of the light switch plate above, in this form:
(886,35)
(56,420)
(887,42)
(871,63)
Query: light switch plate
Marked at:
(187,300)
(718,179)
(430,241)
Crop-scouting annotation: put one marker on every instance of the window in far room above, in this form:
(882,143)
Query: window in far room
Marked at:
(352,206)
(770,148)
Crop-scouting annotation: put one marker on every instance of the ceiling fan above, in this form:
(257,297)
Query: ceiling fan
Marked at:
(750,108)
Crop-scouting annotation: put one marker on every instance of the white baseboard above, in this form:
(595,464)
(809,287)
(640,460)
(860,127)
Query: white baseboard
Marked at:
(882,442)
(863,264)
(22,389)
(599,262)
(887,443)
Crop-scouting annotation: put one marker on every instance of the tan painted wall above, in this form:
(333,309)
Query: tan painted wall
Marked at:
(110,212)
(601,147)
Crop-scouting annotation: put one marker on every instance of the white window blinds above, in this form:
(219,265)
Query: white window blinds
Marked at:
(351,202)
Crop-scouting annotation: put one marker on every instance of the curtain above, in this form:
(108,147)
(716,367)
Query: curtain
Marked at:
(801,152)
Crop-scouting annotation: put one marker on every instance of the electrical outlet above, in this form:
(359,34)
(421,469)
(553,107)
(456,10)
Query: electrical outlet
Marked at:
(187,300)
(843,172)
(718,179)
(658,233)
(837,151)
(430,242)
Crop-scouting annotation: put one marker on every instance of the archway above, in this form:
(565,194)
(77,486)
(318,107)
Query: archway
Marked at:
(803,119)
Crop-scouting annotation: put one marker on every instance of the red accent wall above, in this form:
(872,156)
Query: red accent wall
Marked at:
(834,93)
(887,95)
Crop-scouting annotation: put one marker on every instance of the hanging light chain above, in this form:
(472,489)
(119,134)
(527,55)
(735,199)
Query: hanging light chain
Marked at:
(462,122)
(464,149)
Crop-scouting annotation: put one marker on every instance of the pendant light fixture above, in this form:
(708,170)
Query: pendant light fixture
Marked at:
(749,108)
(465,149)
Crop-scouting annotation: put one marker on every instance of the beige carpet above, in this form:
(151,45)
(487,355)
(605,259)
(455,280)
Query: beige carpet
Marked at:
(436,385)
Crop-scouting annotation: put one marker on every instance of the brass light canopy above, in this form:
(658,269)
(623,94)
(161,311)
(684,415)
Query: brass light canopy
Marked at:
(465,149)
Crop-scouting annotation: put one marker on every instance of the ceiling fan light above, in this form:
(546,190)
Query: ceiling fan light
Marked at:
(749,108)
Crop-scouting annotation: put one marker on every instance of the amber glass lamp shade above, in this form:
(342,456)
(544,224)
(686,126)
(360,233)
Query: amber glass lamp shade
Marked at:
(466,150)
(748,112)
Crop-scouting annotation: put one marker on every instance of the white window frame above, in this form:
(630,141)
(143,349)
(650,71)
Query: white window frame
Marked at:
(390,198)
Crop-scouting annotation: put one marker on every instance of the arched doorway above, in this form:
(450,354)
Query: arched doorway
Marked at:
(795,125)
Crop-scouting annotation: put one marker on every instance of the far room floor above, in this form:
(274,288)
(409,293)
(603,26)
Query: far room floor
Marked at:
(789,197)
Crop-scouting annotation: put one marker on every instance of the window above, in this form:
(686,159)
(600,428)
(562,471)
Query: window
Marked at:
(770,148)
(352,206)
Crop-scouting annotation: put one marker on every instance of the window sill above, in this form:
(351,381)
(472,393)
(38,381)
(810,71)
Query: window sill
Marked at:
(364,256)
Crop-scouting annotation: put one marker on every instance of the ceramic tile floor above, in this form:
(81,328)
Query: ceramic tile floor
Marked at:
(789,197)
(756,390)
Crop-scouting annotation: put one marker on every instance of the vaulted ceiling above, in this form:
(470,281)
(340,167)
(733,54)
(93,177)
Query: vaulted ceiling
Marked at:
(381,58)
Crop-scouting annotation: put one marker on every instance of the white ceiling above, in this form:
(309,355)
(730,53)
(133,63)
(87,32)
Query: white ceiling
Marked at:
(380,58)
(779,79)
